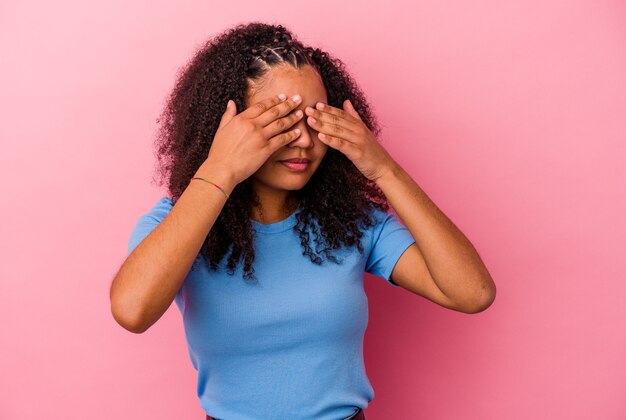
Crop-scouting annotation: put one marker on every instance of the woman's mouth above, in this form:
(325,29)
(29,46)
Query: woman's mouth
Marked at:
(295,166)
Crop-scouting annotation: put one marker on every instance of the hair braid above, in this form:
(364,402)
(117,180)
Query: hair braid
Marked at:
(281,48)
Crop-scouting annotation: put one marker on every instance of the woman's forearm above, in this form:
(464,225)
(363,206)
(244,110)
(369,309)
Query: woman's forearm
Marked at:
(147,282)
(451,258)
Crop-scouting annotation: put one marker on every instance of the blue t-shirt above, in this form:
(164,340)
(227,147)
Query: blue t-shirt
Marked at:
(291,344)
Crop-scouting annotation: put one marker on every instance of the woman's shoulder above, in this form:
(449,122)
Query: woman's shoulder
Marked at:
(377,217)
(148,221)
(161,208)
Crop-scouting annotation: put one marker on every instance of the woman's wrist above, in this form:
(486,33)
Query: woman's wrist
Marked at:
(218,175)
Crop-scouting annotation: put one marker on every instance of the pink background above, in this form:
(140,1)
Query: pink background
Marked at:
(510,115)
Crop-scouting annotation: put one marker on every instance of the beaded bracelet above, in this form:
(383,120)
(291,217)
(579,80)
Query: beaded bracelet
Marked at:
(220,188)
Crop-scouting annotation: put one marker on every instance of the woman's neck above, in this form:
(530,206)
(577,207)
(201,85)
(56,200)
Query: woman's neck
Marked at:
(270,212)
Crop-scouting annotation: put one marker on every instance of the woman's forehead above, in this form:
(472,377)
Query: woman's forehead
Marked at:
(289,80)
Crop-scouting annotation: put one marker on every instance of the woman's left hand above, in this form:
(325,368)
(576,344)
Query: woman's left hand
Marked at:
(344,130)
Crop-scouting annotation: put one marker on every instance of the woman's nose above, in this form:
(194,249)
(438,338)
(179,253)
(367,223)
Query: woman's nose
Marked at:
(305,139)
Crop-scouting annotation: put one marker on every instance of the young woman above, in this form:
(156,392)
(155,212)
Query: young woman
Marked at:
(278,203)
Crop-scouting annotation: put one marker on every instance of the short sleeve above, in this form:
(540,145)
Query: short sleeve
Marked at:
(148,222)
(390,239)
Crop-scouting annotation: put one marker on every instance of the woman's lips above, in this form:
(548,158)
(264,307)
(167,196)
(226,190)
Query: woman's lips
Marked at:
(296,166)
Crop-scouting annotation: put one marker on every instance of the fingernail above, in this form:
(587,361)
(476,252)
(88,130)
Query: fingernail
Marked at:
(282,96)
(296,98)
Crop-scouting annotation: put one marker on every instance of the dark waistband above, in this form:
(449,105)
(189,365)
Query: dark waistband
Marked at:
(358,415)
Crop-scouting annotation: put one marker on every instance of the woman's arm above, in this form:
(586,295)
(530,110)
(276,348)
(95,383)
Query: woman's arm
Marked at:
(448,260)
(447,269)
(147,282)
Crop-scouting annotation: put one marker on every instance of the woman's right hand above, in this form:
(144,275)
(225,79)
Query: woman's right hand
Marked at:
(243,142)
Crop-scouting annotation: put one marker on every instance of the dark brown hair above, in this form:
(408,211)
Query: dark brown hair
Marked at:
(337,196)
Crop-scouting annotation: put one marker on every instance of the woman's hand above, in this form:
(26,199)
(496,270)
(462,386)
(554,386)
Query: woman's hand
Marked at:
(244,141)
(344,130)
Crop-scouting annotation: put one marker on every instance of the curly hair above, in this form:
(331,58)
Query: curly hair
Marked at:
(337,196)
